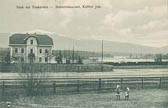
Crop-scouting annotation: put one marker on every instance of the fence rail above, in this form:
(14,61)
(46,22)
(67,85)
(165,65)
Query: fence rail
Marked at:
(16,87)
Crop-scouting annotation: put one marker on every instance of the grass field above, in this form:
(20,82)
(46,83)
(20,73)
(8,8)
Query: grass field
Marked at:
(149,98)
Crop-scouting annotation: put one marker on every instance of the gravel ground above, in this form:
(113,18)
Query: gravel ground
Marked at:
(151,98)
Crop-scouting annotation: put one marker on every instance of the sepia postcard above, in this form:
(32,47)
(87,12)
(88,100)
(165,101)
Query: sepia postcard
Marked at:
(83,53)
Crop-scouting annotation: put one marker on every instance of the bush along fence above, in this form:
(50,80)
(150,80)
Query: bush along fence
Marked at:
(44,67)
(12,88)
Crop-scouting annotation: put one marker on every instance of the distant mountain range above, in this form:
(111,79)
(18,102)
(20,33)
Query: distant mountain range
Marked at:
(66,43)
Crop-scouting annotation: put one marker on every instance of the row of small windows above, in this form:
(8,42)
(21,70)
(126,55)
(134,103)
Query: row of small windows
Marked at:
(40,59)
(16,50)
(31,50)
(46,51)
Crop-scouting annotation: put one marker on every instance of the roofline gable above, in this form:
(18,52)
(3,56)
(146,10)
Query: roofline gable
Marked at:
(31,36)
(42,39)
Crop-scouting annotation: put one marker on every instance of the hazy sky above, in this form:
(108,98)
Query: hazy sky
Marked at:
(137,21)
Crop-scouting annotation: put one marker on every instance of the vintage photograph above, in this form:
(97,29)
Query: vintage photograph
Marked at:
(84,54)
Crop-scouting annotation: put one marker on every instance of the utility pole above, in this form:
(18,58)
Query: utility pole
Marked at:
(102,58)
(63,56)
(73,55)
(93,58)
(47,61)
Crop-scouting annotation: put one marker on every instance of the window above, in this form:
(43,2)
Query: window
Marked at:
(16,50)
(46,59)
(40,59)
(31,50)
(31,41)
(16,58)
(22,59)
(46,50)
(40,50)
(22,50)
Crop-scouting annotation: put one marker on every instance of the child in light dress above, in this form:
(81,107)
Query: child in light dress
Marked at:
(118,92)
(127,93)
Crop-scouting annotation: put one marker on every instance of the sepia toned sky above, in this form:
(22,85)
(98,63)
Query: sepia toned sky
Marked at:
(142,22)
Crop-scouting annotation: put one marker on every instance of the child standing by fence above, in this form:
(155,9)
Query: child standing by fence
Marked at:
(118,92)
(127,93)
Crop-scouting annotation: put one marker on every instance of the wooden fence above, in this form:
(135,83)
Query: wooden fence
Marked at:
(53,67)
(16,87)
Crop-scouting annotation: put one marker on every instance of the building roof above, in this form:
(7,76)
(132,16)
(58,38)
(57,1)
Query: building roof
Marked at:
(21,39)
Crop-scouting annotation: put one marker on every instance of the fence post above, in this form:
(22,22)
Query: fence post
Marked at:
(99,84)
(160,83)
(3,90)
(121,82)
(77,85)
(54,87)
(142,82)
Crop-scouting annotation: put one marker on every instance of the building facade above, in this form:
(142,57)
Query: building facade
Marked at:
(27,48)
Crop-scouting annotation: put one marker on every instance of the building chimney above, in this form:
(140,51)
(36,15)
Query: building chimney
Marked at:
(27,33)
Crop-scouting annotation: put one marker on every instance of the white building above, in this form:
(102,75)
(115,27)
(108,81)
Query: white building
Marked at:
(22,46)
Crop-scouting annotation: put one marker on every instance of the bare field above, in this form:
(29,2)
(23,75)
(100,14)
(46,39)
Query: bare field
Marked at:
(150,98)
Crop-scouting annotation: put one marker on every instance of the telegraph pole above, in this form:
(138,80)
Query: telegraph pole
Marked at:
(102,58)
(93,57)
(73,55)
